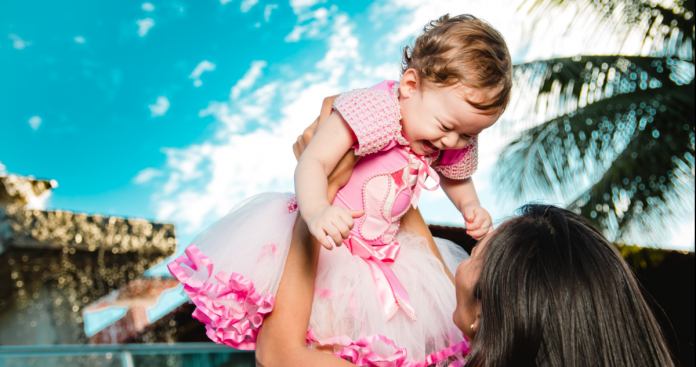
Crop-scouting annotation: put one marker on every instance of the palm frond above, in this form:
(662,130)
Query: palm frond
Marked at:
(656,28)
(640,207)
(544,90)
(624,150)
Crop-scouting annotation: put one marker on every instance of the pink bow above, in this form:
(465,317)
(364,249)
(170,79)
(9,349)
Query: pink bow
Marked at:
(391,292)
(424,170)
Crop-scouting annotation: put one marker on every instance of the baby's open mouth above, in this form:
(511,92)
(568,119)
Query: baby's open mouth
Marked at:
(429,147)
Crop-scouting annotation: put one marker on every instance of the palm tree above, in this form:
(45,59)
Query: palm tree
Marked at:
(611,135)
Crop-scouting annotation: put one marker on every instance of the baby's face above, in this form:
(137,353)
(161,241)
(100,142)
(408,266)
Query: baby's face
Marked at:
(438,118)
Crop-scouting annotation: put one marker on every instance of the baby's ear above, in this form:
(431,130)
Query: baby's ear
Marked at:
(410,83)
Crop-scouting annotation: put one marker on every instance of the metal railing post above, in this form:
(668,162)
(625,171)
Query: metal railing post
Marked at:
(126,359)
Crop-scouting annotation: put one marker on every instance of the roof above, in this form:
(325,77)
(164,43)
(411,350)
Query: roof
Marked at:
(24,227)
(23,190)
(57,229)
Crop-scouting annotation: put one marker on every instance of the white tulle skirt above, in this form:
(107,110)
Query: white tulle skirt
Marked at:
(232,271)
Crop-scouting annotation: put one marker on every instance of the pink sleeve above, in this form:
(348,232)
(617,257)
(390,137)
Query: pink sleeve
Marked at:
(374,116)
(459,164)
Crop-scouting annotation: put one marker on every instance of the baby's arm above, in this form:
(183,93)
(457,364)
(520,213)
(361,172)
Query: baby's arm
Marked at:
(463,194)
(321,156)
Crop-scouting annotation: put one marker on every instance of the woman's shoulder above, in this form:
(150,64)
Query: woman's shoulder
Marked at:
(373,114)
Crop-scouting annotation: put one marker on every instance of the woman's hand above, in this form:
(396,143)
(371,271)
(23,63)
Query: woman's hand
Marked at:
(308,133)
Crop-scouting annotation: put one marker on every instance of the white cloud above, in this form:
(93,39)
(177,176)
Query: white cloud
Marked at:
(160,107)
(268,10)
(249,78)
(299,5)
(202,66)
(247,5)
(3,170)
(251,150)
(79,39)
(35,122)
(148,7)
(144,26)
(310,24)
(18,43)
(147,175)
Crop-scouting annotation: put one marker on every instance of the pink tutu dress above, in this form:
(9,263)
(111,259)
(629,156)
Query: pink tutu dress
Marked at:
(382,299)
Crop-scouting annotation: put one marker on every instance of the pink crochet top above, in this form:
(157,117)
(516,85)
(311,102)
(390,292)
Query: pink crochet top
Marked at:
(374,115)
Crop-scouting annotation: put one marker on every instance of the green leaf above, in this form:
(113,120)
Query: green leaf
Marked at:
(657,20)
(603,153)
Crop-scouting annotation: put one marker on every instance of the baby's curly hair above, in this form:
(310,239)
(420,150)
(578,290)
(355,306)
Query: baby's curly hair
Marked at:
(463,49)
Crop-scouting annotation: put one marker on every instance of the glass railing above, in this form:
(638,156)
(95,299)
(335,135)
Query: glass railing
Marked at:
(126,355)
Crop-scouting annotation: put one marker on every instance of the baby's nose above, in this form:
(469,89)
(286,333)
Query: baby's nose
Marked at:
(449,141)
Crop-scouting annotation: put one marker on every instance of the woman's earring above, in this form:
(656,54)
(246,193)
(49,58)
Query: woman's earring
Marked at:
(472,327)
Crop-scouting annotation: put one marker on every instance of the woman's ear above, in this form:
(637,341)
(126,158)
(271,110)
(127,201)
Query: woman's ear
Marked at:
(410,84)
(477,322)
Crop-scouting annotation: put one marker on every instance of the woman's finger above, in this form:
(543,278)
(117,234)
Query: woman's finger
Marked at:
(296,150)
(309,132)
(301,143)
(326,108)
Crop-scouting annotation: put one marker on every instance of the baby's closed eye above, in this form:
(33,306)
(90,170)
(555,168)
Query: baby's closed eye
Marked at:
(445,128)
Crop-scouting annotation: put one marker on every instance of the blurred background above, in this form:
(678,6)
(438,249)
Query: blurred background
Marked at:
(174,111)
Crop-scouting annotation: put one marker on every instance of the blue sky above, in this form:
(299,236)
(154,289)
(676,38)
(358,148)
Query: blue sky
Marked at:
(176,110)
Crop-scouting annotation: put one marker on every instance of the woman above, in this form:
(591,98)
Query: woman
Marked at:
(547,289)
(544,289)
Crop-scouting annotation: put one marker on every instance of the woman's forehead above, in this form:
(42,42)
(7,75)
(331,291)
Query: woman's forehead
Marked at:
(481,244)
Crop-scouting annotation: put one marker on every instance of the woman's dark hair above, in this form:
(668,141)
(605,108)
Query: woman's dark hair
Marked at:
(555,292)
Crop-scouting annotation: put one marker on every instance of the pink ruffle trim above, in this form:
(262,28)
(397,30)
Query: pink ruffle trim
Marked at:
(231,309)
(360,352)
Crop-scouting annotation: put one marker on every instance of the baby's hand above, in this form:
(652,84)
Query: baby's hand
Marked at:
(331,224)
(478,221)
